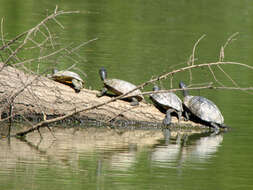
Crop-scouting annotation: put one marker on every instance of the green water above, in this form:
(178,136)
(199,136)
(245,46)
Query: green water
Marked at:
(137,40)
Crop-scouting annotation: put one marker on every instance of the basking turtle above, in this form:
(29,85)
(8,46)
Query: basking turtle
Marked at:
(119,87)
(169,102)
(69,78)
(203,108)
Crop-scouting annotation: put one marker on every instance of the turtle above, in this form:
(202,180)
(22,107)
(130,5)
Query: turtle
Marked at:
(119,87)
(169,102)
(69,78)
(203,108)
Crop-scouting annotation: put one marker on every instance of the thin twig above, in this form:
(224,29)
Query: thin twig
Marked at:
(192,56)
(2,32)
(228,76)
(40,58)
(211,70)
(229,40)
(196,88)
(194,48)
(84,43)
(35,29)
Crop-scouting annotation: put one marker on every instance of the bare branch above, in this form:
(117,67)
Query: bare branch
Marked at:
(194,48)
(192,56)
(2,32)
(228,76)
(40,58)
(211,70)
(230,39)
(35,29)
(83,44)
(222,54)
(49,35)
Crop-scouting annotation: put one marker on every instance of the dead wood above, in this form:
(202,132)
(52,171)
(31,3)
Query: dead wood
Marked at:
(50,98)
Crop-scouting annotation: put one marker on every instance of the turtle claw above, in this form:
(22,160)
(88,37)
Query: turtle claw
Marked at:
(102,93)
(99,95)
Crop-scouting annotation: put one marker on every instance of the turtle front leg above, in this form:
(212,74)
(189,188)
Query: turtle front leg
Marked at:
(102,93)
(187,117)
(167,119)
(179,115)
(77,85)
(134,102)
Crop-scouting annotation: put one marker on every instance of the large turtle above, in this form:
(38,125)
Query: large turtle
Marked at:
(169,102)
(203,109)
(119,87)
(69,78)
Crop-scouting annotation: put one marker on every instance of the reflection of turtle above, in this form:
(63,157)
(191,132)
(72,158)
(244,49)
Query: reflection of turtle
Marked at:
(119,87)
(203,108)
(169,102)
(69,78)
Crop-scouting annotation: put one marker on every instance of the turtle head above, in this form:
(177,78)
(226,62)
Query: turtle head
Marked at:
(183,86)
(102,73)
(156,88)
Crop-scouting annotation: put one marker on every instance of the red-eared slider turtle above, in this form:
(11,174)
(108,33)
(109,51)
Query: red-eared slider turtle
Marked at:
(69,78)
(119,87)
(169,102)
(203,108)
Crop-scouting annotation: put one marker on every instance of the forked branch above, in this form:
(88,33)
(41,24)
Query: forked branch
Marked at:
(31,33)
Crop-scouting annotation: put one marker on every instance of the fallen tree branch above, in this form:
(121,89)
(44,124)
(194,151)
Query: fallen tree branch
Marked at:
(46,122)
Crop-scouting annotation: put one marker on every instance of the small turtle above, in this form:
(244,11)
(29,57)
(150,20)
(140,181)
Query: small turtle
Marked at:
(69,78)
(169,102)
(203,108)
(119,87)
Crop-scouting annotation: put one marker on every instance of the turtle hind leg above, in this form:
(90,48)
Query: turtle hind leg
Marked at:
(77,85)
(167,119)
(134,102)
(102,93)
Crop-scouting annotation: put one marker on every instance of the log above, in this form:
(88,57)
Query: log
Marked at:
(38,95)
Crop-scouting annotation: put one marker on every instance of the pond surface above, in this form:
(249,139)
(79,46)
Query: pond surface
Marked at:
(136,41)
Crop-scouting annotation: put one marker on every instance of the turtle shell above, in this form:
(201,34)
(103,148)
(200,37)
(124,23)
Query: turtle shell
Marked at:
(204,109)
(119,87)
(167,100)
(66,76)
